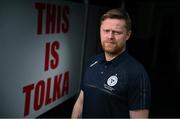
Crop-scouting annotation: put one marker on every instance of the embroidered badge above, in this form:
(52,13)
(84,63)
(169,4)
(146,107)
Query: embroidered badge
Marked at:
(112,80)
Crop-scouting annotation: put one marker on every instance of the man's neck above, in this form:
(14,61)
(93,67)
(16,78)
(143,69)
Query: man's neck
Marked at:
(110,56)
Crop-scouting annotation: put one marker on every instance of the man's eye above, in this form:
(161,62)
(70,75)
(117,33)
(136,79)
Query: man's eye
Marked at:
(106,30)
(118,33)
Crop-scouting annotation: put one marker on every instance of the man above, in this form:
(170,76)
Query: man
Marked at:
(115,84)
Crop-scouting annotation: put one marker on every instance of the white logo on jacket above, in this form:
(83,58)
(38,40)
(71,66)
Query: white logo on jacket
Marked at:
(112,80)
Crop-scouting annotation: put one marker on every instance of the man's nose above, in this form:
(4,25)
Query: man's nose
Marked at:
(111,35)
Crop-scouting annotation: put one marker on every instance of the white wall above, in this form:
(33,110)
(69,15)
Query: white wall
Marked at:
(26,88)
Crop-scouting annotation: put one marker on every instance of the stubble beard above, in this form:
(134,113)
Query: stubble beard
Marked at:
(113,49)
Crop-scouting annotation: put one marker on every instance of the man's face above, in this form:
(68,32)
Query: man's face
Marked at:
(113,35)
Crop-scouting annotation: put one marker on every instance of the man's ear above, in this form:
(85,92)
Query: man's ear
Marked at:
(128,35)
